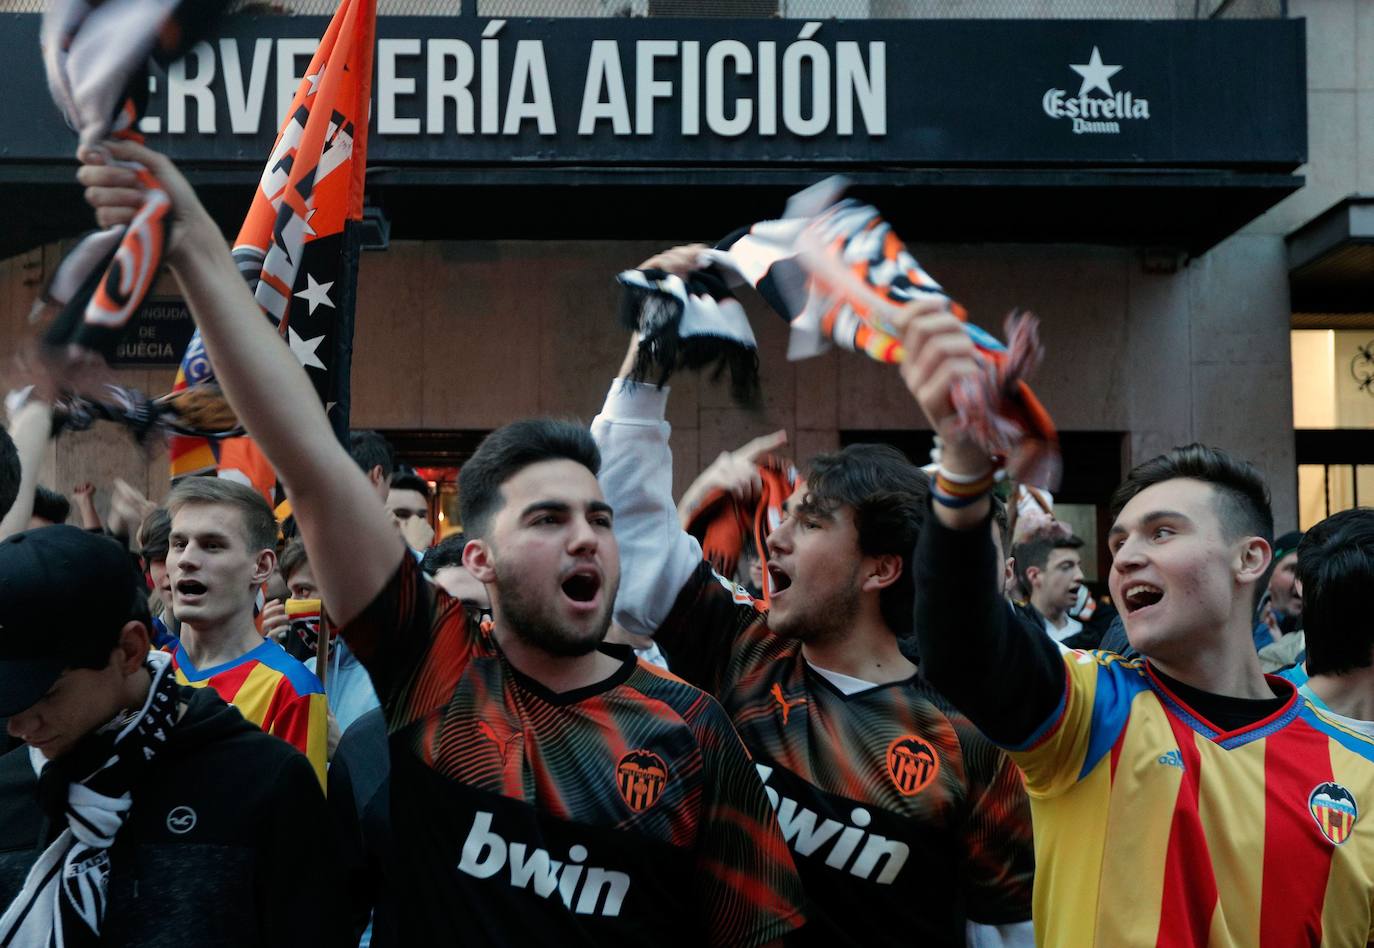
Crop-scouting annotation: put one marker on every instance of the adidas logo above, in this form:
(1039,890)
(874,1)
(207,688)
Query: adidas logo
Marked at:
(485,853)
(806,833)
(1172,759)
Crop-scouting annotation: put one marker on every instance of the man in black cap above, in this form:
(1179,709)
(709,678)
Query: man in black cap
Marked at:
(138,811)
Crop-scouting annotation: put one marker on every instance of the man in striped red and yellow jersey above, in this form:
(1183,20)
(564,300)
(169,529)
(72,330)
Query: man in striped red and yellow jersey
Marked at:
(220,552)
(1223,806)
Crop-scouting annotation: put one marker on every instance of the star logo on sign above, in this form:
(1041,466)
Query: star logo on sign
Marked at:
(316,294)
(1095,74)
(305,349)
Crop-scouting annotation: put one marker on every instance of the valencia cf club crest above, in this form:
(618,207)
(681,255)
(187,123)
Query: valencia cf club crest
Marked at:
(640,776)
(1334,809)
(912,764)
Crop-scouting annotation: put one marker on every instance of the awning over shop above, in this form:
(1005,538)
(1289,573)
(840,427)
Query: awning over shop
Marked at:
(1331,262)
(1168,134)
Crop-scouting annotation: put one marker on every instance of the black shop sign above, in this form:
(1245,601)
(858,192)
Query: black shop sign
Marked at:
(157,335)
(468,91)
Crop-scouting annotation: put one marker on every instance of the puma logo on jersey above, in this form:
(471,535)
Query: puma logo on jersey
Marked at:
(502,747)
(809,835)
(781,699)
(486,853)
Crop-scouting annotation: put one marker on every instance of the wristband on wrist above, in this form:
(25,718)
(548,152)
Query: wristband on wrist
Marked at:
(960,490)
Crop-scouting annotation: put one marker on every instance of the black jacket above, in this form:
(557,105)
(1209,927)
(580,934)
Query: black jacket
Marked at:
(227,843)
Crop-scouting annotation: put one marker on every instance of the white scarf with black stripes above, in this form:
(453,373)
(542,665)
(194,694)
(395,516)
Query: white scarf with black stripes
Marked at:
(63,901)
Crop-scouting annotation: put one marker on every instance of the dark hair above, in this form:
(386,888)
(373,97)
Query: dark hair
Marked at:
(1336,568)
(51,506)
(407,479)
(368,449)
(260,527)
(508,450)
(1242,496)
(154,536)
(447,552)
(887,494)
(292,558)
(10,472)
(1003,521)
(1035,550)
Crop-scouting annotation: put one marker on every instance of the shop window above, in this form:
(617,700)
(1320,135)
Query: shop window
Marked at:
(1333,418)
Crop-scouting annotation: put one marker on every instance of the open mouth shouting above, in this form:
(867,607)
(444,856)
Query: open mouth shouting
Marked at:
(778,579)
(582,588)
(1138,596)
(189,590)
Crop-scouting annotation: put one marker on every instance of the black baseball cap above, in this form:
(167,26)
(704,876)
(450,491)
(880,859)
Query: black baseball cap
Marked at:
(65,594)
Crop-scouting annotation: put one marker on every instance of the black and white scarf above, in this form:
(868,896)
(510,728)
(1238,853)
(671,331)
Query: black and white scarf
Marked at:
(63,901)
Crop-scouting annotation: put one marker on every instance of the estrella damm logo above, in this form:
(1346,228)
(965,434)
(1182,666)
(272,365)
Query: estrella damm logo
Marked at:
(640,776)
(1335,810)
(912,764)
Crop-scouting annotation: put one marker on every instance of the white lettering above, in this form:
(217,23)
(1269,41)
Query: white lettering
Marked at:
(179,88)
(245,105)
(798,823)
(739,55)
(876,848)
(151,124)
(792,61)
(867,86)
(691,91)
(390,85)
(529,73)
(491,77)
(603,70)
(288,80)
(484,855)
(439,88)
(768,88)
(648,88)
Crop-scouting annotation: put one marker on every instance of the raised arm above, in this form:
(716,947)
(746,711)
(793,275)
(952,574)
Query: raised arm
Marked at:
(657,556)
(1007,678)
(338,512)
(30,427)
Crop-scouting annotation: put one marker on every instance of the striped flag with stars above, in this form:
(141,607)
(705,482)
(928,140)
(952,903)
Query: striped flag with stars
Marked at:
(298,247)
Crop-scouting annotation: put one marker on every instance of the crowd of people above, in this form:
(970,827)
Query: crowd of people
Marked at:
(601,714)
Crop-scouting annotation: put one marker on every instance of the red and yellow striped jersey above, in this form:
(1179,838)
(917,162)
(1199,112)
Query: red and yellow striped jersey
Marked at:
(1152,827)
(272,690)
(624,812)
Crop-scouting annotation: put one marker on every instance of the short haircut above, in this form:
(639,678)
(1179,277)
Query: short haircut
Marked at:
(50,505)
(1242,497)
(1003,522)
(1336,567)
(259,526)
(447,552)
(292,558)
(888,496)
(154,535)
(409,480)
(10,472)
(507,451)
(1035,550)
(369,449)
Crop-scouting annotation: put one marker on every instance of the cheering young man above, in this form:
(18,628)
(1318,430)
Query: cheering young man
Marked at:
(544,789)
(905,822)
(221,551)
(1214,800)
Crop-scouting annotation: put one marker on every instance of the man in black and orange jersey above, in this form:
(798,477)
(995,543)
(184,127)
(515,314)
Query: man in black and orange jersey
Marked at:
(544,789)
(905,822)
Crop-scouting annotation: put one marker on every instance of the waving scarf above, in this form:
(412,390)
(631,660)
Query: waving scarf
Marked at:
(839,274)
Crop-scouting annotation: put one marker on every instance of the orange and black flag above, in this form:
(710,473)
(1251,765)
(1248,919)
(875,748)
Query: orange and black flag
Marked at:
(298,247)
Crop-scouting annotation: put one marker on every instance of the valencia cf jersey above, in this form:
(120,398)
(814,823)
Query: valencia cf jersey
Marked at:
(270,689)
(1167,831)
(624,813)
(904,820)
